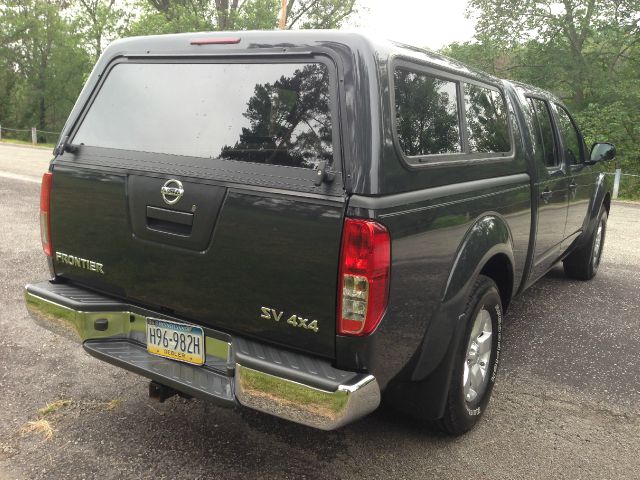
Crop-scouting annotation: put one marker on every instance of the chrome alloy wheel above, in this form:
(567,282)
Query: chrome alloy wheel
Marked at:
(597,246)
(476,365)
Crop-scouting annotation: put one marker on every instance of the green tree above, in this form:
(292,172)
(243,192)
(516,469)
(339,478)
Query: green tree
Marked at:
(169,16)
(585,51)
(47,47)
(43,65)
(100,22)
(319,13)
(578,36)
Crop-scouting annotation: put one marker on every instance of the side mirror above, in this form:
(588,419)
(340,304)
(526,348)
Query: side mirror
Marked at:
(602,152)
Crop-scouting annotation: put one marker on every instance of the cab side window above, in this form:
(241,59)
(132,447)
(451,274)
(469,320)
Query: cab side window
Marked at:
(573,149)
(542,130)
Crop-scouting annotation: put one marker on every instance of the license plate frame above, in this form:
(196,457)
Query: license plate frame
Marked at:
(164,339)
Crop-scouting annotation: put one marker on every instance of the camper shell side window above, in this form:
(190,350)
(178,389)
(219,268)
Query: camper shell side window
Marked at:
(441,118)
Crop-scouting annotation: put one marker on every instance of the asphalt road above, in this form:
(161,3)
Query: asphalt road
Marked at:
(566,402)
(24,163)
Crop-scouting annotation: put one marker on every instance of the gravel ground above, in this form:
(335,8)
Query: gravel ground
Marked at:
(17,161)
(565,403)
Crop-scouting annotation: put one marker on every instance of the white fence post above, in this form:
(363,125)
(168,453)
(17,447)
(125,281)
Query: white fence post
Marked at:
(34,135)
(616,183)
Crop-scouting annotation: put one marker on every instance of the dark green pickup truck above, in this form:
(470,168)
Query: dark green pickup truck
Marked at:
(307,223)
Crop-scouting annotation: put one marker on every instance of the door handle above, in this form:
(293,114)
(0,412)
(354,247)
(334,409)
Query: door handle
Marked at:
(546,195)
(171,222)
(182,218)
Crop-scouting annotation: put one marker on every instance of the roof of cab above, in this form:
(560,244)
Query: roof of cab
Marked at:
(535,91)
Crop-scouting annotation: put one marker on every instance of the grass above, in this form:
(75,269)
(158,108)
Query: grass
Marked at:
(27,144)
(41,426)
(113,404)
(629,188)
(53,407)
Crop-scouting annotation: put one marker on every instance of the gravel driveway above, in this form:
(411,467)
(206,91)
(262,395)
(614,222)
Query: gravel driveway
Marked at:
(566,404)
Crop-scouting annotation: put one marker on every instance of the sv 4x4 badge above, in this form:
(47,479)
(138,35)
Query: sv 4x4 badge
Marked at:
(293,320)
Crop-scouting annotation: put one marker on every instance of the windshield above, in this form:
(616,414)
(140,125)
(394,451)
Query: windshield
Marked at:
(263,113)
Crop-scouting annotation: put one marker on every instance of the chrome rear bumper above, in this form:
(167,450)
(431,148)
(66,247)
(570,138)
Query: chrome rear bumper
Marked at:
(237,371)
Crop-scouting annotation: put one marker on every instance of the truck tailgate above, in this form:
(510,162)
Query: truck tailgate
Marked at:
(248,261)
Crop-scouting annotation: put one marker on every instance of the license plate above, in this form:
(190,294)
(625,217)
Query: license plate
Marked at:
(177,341)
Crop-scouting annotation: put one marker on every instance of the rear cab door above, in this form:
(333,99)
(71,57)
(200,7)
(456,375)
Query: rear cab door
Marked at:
(552,185)
(194,186)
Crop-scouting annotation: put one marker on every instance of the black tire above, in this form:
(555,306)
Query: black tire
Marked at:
(460,413)
(583,262)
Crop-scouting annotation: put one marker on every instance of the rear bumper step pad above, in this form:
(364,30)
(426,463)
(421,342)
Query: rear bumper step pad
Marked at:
(237,371)
(196,381)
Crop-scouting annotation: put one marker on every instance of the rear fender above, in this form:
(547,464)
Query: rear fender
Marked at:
(488,236)
(429,381)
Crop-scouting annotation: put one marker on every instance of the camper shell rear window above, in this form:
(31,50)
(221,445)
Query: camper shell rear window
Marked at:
(262,113)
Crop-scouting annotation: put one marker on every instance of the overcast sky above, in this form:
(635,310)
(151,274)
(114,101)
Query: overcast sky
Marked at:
(423,23)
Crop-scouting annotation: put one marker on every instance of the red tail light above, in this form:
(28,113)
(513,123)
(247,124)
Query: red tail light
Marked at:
(45,217)
(363,284)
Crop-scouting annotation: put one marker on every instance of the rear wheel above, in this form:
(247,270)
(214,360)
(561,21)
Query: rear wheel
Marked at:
(583,262)
(476,361)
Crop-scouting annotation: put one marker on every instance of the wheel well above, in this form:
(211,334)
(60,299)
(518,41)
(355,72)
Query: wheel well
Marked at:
(498,268)
(607,202)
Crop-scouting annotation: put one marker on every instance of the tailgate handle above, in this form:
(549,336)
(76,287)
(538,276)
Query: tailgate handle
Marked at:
(183,218)
(169,221)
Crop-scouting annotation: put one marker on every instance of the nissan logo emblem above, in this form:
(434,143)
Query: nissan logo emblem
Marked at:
(172,191)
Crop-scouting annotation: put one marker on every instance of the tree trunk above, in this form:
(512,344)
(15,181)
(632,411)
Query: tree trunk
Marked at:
(222,14)
(578,97)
